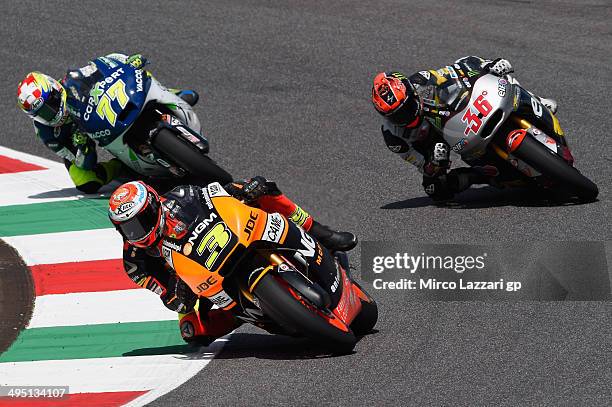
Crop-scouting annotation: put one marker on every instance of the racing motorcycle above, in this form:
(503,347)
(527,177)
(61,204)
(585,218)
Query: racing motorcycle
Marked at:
(260,266)
(500,123)
(151,130)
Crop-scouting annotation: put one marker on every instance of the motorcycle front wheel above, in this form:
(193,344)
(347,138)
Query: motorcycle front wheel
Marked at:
(566,178)
(281,304)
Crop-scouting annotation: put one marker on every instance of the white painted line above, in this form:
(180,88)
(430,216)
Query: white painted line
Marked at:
(170,383)
(36,187)
(64,247)
(133,373)
(104,307)
(53,184)
(29,158)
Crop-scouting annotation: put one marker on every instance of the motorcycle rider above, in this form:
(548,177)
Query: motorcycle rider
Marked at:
(53,106)
(415,109)
(144,219)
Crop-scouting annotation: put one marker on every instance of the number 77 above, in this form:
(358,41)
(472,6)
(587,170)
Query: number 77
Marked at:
(115,92)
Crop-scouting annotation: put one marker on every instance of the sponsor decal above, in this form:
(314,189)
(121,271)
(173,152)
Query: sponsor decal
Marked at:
(206,284)
(537,107)
(221,299)
(167,254)
(36,104)
(248,229)
(98,91)
(88,70)
(309,245)
(124,207)
(460,145)
(395,149)
(207,200)
(275,227)
(187,249)
(171,245)
(336,283)
(215,189)
(425,74)
(99,134)
(501,87)
(138,75)
(200,227)
(452,72)
(187,329)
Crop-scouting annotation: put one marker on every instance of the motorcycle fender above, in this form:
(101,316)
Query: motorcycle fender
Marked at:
(309,289)
(548,141)
(177,127)
(194,138)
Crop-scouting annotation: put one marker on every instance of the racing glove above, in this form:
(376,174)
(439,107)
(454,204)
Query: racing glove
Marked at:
(137,61)
(439,162)
(85,149)
(178,296)
(251,190)
(500,67)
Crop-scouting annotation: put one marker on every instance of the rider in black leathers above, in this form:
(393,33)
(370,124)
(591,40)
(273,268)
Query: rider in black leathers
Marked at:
(415,109)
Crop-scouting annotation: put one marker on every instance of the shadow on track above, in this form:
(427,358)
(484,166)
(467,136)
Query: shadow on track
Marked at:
(486,197)
(273,347)
(247,345)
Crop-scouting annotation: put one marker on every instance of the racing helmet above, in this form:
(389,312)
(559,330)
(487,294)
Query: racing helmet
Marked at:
(136,211)
(395,98)
(43,99)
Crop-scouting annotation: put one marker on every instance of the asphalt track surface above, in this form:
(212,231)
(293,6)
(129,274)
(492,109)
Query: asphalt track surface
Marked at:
(285,93)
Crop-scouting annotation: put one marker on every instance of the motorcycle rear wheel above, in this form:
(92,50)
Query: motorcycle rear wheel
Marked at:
(566,178)
(281,306)
(180,152)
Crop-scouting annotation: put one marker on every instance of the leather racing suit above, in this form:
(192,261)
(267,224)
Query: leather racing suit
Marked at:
(442,91)
(148,268)
(74,146)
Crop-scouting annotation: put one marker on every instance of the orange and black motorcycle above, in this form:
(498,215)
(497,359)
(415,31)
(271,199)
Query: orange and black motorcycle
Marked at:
(270,273)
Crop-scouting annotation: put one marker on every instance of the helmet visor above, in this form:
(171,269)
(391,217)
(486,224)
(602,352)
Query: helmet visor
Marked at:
(406,113)
(52,107)
(141,225)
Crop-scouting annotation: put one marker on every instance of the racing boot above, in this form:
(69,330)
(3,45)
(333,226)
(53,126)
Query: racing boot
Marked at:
(189,96)
(331,239)
(203,329)
(461,179)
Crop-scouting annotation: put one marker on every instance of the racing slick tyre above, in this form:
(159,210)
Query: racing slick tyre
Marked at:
(189,158)
(364,322)
(567,179)
(277,301)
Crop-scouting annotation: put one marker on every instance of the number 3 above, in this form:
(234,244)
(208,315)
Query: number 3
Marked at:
(214,242)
